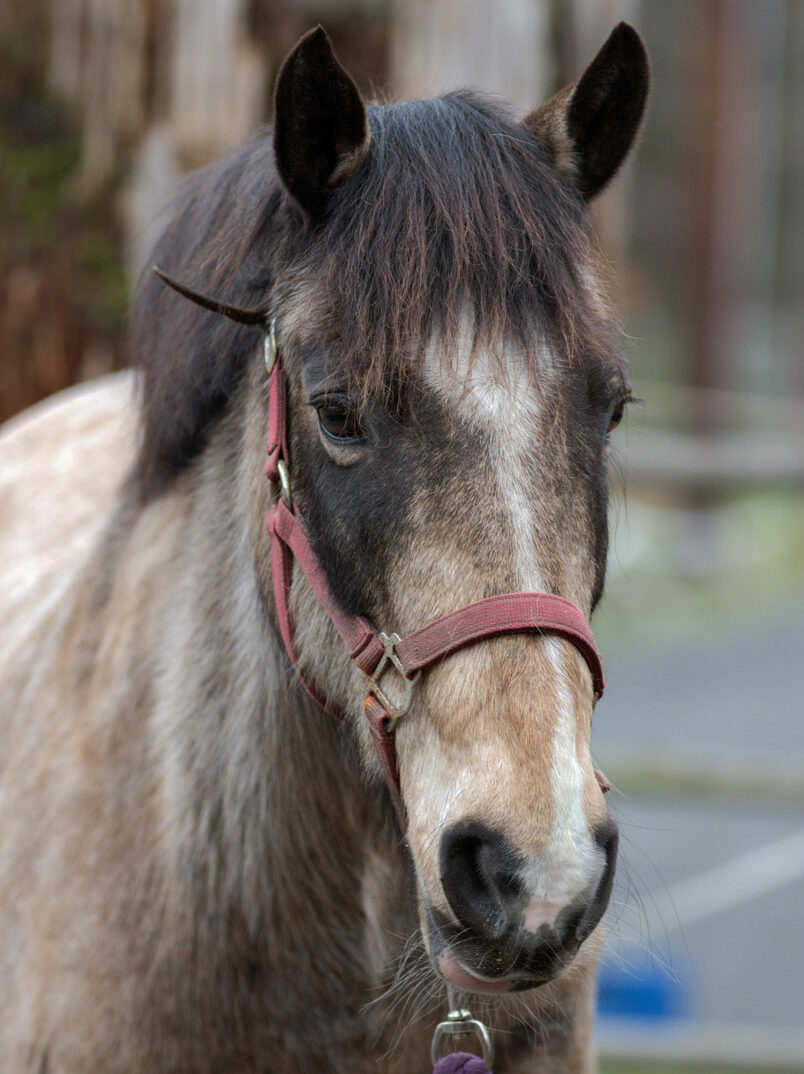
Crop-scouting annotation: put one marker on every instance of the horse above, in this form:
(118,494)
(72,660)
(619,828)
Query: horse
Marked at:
(199,869)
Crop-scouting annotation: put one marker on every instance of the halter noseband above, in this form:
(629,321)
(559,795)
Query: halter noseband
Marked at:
(375,652)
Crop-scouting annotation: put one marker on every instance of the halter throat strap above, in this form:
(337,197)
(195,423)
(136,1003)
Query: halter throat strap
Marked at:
(377,653)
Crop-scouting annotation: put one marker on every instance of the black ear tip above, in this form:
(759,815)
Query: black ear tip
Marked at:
(311,52)
(627,32)
(315,43)
(628,43)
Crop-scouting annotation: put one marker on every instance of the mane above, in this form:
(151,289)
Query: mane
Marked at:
(457,208)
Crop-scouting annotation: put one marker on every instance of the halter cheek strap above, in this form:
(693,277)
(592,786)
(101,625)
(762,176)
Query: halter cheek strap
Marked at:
(377,653)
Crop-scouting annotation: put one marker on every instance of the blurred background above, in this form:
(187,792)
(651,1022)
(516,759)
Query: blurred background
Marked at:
(105,103)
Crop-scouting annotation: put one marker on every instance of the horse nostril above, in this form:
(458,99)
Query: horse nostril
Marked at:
(479,870)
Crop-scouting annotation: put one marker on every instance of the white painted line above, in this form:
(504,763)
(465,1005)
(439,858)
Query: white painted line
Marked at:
(725,886)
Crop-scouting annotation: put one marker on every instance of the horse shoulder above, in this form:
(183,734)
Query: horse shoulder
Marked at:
(61,465)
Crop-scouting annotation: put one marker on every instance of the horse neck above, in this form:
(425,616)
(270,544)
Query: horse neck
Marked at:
(262,789)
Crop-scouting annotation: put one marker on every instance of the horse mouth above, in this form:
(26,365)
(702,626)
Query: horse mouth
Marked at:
(511,964)
(457,974)
(453,971)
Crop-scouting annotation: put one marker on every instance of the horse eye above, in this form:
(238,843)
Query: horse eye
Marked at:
(339,423)
(617,416)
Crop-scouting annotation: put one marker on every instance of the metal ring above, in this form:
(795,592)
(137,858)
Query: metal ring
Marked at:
(284,483)
(460,1024)
(270,349)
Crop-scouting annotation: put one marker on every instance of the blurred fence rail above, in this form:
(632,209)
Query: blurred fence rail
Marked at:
(680,403)
(714,463)
(754,440)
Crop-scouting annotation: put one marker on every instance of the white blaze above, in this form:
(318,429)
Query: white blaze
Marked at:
(507,408)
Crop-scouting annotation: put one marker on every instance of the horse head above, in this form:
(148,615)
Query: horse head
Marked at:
(453,376)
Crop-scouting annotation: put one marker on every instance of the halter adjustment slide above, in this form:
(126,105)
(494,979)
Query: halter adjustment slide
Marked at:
(389,656)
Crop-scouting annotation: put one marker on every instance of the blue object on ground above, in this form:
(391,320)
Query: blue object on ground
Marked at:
(643,986)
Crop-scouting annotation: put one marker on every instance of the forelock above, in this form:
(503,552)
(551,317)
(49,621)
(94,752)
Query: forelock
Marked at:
(457,215)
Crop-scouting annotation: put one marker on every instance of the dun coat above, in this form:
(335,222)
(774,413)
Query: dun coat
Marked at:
(200,871)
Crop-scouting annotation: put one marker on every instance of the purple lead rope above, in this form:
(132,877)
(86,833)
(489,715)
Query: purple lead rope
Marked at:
(461,1063)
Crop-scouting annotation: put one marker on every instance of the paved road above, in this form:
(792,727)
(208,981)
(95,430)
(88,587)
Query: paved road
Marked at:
(713,896)
(714,887)
(734,701)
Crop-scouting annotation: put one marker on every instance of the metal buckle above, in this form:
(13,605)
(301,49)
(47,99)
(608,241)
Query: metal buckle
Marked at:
(460,1023)
(284,483)
(395,712)
(269,348)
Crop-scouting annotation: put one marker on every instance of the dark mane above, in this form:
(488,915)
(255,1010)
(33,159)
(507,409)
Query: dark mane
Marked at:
(457,207)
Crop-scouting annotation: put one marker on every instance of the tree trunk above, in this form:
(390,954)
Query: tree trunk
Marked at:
(438,45)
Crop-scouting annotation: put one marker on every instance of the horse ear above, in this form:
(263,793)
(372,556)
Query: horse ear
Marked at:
(321,131)
(590,126)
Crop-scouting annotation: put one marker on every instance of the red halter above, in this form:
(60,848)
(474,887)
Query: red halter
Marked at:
(373,652)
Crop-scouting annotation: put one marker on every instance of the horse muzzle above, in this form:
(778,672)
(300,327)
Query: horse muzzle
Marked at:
(499,936)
